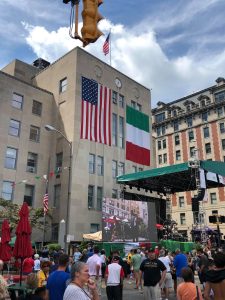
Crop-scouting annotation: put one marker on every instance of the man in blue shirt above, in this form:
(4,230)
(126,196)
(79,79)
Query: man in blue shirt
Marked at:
(57,281)
(180,261)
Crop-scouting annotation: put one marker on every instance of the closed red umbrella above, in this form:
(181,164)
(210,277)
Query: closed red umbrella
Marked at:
(5,249)
(23,247)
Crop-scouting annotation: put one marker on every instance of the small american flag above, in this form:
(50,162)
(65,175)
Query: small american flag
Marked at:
(45,203)
(95,112)
(106,45)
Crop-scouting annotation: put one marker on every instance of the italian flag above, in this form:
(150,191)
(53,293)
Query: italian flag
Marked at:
(137,137)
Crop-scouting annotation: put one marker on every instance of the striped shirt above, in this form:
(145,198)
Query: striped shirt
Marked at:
(74,292)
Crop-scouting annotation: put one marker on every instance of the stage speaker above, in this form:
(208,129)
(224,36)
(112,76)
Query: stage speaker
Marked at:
(162,210)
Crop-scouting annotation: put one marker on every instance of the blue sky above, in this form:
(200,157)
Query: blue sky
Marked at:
(174,47)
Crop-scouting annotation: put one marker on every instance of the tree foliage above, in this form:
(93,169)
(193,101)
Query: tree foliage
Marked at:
(10,211)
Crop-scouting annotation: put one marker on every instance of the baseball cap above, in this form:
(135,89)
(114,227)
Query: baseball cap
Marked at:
(36,255)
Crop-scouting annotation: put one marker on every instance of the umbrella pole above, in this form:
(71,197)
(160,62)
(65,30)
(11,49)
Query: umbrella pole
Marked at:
(21,268)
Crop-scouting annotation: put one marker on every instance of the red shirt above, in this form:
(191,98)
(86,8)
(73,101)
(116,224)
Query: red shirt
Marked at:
(28,265)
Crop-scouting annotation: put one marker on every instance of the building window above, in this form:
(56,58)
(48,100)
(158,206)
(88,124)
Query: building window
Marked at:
(59,161)
(182,219)
(161,130)
(7,190)
(220,97)
(222,128)
(134,169)
(159,145)
(206,132)
(205,116)
(90,196)
(213,199)
(160,117)
(176,125)
(63,85)
(114,130)
(139,107)
(11,158)
(91,163)
(121,132)
(99,197)
(178,155)
(14,127)
(191,135)
(36,108)
(223,144)
(29,194)
(121,169)
(114,169)
(17,101)
(207,148)
(133,104)
(192,151)
(114,193)
(34,133)
(189,121)
(164,144)
(32,162)
(160,159)
(57,192)
(177,140)
(114,97)
(165,158)
(55,232)
(181,202)
(94,228)
(121,101)
(220,111)
(100,166)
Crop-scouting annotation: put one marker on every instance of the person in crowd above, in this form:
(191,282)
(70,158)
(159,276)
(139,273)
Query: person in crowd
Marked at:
(187,290)
(79,279)
(114,275)
(173,271)
(215,278)
(94,265)
(56,283)
(179,262)
(43,274)
(45,254)
(90,252)
(154,274)
(203,264)
(103,259)
(39,294)
(37,263)
(84,256)
(28,265)
(129,256)
(167,283)
(76,255)
(156,251)
(3,284)
(71,262)
(135,263)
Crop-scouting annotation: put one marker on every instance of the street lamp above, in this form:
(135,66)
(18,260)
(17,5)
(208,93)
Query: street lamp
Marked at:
(51,128)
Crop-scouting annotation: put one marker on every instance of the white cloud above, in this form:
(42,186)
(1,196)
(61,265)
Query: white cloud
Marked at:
(138,55)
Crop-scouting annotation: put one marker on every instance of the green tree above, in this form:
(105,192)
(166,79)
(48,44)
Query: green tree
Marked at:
(10,211)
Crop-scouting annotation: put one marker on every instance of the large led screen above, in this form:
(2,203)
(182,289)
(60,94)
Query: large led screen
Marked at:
(125,220)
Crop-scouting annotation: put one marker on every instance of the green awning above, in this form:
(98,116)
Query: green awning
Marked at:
(174,178)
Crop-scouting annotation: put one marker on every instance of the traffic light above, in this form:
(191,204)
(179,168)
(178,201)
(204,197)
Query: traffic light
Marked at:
(90,32)
(222,219)
(212,219)
(195,205)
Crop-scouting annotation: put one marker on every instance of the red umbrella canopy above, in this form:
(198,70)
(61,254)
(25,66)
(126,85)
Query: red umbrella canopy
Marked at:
(23,247)
(5,249)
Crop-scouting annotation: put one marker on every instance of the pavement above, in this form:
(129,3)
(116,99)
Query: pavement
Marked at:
(129,293)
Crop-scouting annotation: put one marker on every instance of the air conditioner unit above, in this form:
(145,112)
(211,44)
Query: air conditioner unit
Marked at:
(31,169)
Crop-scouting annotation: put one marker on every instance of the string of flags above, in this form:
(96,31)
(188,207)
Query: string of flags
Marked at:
(45,177)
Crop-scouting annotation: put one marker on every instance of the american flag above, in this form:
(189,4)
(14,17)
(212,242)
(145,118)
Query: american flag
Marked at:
(95,112)
(105,47)
(45,203)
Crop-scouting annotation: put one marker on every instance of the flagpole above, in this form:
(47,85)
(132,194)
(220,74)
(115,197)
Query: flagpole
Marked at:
(44,224)
(110,54)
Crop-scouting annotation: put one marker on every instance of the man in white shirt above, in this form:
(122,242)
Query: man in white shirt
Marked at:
(94,266)
(168,282)
(114,275)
